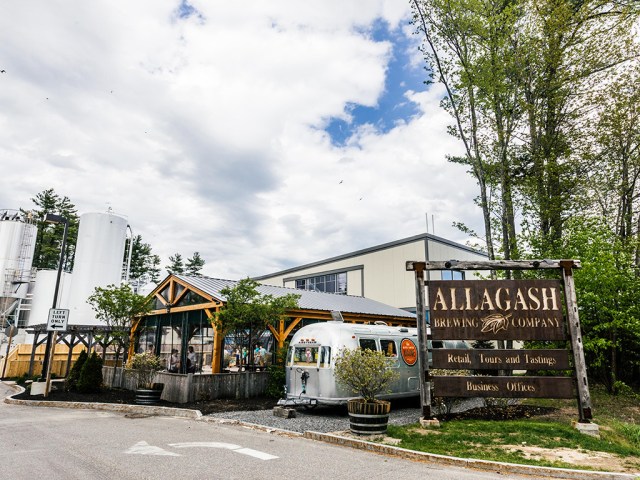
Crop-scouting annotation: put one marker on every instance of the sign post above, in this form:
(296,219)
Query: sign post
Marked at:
(423,354)
(497,310)
(57,322)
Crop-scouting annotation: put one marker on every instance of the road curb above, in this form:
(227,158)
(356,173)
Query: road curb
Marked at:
(499,467)
(111,407)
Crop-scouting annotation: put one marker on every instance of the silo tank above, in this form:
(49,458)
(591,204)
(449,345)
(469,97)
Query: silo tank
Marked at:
(17,244)
(98,262)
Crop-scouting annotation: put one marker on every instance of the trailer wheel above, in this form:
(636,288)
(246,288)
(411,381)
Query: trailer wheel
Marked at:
(308,408)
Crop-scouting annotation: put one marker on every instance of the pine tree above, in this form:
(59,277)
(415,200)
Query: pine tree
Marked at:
(90,380)
(194,264)
(176,267)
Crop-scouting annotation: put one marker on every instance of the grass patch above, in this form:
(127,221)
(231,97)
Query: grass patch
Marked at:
(486,439)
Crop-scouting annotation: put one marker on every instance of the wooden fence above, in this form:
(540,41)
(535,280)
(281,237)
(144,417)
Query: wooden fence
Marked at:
(181,388)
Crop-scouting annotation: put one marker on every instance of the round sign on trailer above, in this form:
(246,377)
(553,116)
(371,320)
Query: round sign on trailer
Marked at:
(409,352)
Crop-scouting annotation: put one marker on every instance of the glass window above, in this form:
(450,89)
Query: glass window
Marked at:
(451,275)
(389,348)
(305,356)
(331,283)
(325,357)
(368,344)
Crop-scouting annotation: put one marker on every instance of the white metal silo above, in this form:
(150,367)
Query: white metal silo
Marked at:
(17,244)
(43,292)
(98,262)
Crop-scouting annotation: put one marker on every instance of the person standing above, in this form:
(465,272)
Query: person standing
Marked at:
(191,360)
(173,365)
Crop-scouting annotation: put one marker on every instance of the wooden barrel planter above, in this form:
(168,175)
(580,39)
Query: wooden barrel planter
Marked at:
(368,418)
(149,396)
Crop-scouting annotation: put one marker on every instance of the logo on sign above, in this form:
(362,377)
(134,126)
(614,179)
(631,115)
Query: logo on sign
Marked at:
(409,352)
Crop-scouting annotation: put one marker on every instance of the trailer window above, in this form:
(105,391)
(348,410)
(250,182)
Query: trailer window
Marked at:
(389,348)
(307,356)
(325,357)
(368,344)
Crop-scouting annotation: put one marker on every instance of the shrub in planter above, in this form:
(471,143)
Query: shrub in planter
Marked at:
(90,380)
(144,366)
(74,374)
(367,374)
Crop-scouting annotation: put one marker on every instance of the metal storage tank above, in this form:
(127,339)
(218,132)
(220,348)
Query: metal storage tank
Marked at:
(43,291)
(17,244)
(98,262)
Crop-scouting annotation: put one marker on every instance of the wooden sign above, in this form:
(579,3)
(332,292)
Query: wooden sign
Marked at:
(504,387)
(487,359)
(496,310)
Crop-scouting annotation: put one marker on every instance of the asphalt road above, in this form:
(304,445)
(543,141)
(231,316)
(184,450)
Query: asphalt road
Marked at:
(54,443)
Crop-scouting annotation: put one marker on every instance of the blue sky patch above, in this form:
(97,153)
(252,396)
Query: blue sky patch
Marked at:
(393,106)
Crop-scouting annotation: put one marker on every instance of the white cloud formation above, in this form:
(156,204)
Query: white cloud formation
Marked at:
(206,132)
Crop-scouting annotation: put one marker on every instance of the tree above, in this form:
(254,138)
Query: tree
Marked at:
(176,267)
(49,237)
(117,306)
(247,313)
(90,380)
(71,381)
(144,264)
(194,264)
(608,287)
(518,76)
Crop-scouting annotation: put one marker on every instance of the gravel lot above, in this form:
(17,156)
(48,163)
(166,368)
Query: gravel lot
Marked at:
(327,419)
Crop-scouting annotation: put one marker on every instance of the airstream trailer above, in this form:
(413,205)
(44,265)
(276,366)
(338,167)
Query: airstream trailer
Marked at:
(313,349)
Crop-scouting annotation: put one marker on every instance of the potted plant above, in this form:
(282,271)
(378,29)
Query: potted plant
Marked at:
(366,373)
(144,366)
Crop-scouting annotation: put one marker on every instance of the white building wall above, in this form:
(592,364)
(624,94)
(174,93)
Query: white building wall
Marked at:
(380,273)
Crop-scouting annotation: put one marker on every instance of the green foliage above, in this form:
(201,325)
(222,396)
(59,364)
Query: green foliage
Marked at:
(365,372)
(277,375)
(144,366)
(90,380)
(117,306)
(248,313)
(194,264)
(176,265)
(49,237)
(71,382)
(144,264)
(608,287)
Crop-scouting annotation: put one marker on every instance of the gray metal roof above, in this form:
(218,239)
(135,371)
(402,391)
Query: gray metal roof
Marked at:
(308,300)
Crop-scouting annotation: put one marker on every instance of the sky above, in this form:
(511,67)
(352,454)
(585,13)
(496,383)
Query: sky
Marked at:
(263,135)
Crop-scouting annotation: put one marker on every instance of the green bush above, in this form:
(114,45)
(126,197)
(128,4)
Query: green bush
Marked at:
(144,366)
(277,381)
(277,375)
(365,372)
(90,379)
(74,374)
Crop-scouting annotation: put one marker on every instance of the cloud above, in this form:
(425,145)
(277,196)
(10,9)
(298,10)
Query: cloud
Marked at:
(207,130)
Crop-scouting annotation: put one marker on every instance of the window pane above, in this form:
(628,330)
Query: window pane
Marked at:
(306,356)
(389,348)
(368,344)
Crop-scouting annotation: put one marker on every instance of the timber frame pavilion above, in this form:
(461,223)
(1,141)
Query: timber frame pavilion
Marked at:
(184,307)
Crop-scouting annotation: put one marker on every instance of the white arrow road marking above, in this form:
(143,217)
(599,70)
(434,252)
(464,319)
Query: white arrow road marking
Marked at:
(229,446)
(143,448)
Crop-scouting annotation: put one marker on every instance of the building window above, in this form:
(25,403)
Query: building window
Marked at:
(451,275)
(330,283)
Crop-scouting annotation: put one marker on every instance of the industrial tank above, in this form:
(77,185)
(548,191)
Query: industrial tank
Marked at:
(17,244)
(98,262)
(43,292)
